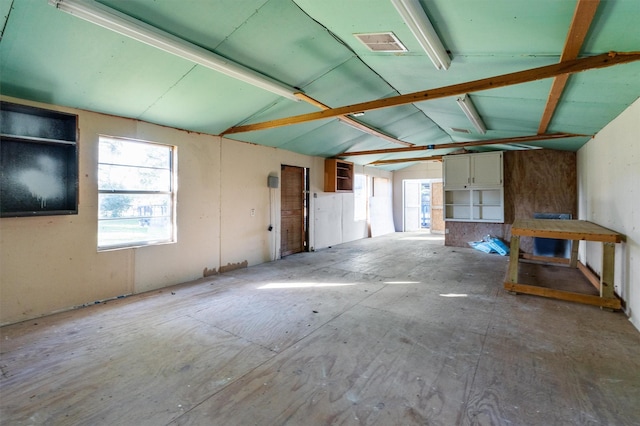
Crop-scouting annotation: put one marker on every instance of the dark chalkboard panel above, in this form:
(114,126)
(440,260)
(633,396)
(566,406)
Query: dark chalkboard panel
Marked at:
(38,161)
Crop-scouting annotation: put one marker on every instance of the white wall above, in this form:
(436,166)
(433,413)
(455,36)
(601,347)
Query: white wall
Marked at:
(609,195)
(51,263)
(332,208)
(426,170)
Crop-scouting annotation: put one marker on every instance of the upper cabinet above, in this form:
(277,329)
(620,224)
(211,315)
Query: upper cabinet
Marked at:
(338,175)
(473,170)
(38,161)
(473,188)
(457,171)
(486,169)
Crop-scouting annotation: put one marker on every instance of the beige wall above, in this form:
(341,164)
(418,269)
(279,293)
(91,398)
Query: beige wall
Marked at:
(51,263)
(609,195)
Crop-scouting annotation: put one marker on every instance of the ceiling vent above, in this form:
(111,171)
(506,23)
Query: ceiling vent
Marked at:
(456,129)
(381,42)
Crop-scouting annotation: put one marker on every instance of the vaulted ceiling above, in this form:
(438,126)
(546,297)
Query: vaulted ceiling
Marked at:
(309,46)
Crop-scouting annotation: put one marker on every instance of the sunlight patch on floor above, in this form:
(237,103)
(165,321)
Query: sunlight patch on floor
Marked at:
(302,285)
(428,237)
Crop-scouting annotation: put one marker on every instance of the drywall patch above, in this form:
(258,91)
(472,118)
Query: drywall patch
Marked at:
(208,272)
(234,266)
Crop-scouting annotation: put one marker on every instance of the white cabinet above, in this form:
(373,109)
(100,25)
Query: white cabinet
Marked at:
(473,188)
(457,171)
(473,170)
(486,169)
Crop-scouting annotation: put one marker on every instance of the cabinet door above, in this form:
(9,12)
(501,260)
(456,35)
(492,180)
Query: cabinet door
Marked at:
(487,169)
(456,171)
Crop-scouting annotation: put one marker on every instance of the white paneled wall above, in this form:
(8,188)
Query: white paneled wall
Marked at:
(609,195)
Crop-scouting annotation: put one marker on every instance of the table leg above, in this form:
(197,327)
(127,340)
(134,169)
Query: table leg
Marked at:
(574,253)
(514,256)
(608,266)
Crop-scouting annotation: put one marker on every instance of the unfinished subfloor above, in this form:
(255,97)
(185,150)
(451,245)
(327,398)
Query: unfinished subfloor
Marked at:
(395,330)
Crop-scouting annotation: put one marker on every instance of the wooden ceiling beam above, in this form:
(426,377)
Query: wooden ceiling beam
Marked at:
(505,141)
(406,160)
(540,73)
(353,123)
(582,18)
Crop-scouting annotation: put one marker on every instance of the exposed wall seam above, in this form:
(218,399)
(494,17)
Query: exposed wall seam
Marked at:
(6,21)
(220,206)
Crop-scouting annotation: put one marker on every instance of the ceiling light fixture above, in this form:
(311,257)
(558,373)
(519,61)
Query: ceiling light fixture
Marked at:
(470,111)
(120,23)
(419,24)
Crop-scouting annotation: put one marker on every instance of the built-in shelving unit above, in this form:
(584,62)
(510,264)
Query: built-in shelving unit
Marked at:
(338,175)
(473,187)
(39,161)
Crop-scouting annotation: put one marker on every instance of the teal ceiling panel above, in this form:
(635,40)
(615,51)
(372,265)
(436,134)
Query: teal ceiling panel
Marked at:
(189,19)
(328,138)
(615,28)
(279,136)
(383,117)
(49,56)
(199,91)
(618,85)
(345,18)
(501,27)
(588,117)
(349,83)
(67,61)
(282,42)
(568,144)
(416,129)
(281,108)
(463,69)
(5,10)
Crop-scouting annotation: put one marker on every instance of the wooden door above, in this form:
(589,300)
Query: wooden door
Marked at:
(292,201)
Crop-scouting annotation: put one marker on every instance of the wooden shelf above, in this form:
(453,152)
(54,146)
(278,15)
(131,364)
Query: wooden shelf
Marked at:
(338,175)
(28,136)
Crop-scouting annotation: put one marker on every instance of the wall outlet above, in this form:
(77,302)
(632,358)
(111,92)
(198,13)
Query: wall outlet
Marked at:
(252,212)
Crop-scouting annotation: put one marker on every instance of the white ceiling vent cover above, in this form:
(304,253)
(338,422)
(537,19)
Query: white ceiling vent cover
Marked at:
(381,42)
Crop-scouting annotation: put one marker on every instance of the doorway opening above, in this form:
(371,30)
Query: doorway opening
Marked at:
(294,215)
(422,205)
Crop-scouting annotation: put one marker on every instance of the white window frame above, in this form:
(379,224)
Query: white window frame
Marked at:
(172,192)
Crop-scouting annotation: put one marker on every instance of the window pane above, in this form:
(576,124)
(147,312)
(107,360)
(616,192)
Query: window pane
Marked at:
(118,151)
(141,206)
(123,232)
(136,194)
(114,177)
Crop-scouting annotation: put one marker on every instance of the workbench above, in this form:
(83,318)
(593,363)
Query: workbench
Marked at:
(574,230)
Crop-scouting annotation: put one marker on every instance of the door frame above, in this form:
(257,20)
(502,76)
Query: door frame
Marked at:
(305,209)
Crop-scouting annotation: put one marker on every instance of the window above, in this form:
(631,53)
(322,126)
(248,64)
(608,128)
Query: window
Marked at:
(360,199)
(136,193)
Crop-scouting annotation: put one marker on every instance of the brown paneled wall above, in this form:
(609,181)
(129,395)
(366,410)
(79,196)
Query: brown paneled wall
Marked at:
(535,181)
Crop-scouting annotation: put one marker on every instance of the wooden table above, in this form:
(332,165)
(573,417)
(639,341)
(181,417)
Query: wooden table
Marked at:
(574,230)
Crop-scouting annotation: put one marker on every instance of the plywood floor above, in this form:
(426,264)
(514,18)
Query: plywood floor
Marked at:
(395,330)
